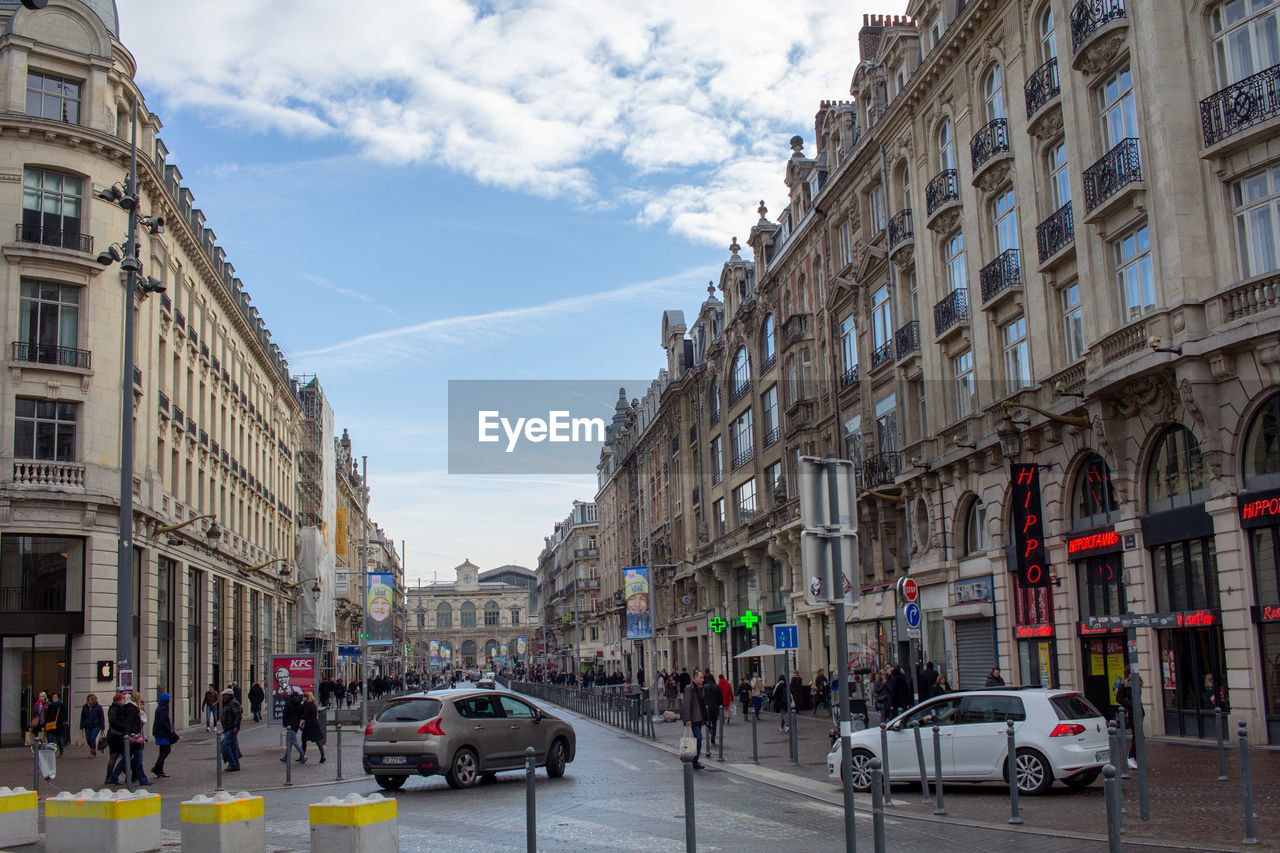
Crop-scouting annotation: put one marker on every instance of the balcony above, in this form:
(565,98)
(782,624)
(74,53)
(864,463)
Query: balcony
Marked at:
(166,304)
(882,354)
(797,328)
(63,239)
(204,351)
(951,312)
(771,436)
(589,583)
(1248,105)
(1097,29)
(717,477)
(769,363)
(56,475)
(1043,92)
(942,201)
(738,391)
(204,438)
(43,354)
(163,399)
(1000,278)
(881,469)
(1250,298)
(1055,234)
(580,553)
(178,416)
(179,320)
(191,426)
(988,149)
(906,341)
(137,378)
(743,457)
(849,377)
(1119,168)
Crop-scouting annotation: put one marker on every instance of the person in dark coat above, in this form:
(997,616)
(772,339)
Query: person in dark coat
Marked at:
(928,681)
(693,713)
(683,679)
(711,701)
(899,691)
(231,716)
(744,695)
(798,698)
(312,731)
(162,731)
(256,697)
(292,720)
(994,679)
(55,721)
(124,720)
(93,722)
(780,697)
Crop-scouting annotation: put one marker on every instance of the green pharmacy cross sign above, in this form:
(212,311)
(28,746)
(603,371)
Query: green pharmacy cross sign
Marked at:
(717,624)
(749,619)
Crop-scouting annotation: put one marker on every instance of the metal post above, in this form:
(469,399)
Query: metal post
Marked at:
(884,756)
(337,730)
(364,595)
(217,760)
(720,740)
(939,809)
(288,756)
(1221,719)
(1012,763)
(690,834)
(1246,785)
(35,767)
(1117,755)
(530,801)
(1111,788)
(1140,747)
(790,710)
(877,806)
(842,659)
(1123,734)
(924,774)
(128,765)
(755,744)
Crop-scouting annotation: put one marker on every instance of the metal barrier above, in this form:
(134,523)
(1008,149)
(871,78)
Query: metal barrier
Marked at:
(623,706)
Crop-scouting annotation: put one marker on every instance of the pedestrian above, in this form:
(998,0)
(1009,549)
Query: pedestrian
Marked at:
(1124,698)
(779,699)
(693,713)
(684,678)
(712,700)
(256,697)
(162,731)
(994,679)
(757,693)
(124,723)
(237,692)
(35,724)
(880,696)
(1210,696)
(798,699)
(673,692)
(744,695)
(292,720)
(231,714)
(211,701)
(942,685)
(821,695)
(311,729)
(928,681)
(55,719)
(899,691)
(93,721)
(726,699)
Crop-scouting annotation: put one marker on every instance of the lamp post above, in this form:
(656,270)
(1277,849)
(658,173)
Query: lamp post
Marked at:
(364,595)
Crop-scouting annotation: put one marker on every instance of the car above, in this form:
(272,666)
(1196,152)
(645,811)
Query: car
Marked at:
(486,684)
(1059,736)
(465,735)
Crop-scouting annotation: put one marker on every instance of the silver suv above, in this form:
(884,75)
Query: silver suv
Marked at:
(466,735)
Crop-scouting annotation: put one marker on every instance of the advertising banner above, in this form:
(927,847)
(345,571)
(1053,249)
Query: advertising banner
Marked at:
(522,647)
(446,653)
(434,652)
(380,604)
(288,672)
(635,589)
(1028,529)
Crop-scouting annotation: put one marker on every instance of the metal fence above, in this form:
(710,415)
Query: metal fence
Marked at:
(623,706)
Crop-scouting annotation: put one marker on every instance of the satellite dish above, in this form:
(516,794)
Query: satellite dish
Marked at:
(35,4)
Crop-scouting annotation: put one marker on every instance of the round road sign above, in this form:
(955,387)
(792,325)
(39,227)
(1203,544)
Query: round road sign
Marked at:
(911,613)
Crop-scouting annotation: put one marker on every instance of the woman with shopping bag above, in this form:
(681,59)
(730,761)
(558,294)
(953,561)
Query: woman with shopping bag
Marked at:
(93,722)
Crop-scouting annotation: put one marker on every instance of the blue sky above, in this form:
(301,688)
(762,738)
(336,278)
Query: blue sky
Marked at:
(415,191)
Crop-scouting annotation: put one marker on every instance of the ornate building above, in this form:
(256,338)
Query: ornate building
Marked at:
(573,622)
(469,623)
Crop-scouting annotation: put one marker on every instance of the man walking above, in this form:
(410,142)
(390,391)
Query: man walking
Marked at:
(693,713)
(712,699)
(231,714)
(210,708)
(292,720)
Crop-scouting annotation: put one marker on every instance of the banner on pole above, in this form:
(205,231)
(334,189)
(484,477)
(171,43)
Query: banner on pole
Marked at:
(635,588)
(380,605)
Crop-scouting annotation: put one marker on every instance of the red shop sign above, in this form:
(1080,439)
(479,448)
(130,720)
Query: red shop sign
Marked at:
(1097,542)
(1031,632)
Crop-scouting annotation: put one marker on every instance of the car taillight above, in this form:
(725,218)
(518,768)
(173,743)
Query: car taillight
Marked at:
(368,730)
(1066,730)
(432,728)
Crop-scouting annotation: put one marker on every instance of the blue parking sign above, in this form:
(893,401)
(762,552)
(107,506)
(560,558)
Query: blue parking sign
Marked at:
(786,637)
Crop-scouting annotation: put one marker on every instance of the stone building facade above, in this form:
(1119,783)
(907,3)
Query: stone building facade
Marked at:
(574,623)
(470,623)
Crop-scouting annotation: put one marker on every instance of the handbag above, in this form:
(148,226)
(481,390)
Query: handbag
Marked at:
(102,743)
(50,727)
(688,747)
(137,739)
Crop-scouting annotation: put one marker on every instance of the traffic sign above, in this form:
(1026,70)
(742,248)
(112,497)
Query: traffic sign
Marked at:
(908,589)
(818,510)
(818,562)
(786,637)
(911,614)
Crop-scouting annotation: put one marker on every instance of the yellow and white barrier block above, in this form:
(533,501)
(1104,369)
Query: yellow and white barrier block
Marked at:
(107,821)
(355,824)
(19,816)
(224,823)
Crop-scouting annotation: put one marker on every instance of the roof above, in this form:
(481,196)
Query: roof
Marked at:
(104,9)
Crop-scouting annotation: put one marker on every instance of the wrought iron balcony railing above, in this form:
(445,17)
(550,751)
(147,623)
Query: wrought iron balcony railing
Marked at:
(772,435)
(881,469)
(907,339)
(179,417)
(900,227)
(1118,167)
(63,238)
(1055,233)
(739,390)
(1042,86)
(44,354)
(743,457)
(166,304)
(1087,16)
(716,477)
(882,354)
(993,139)
(849,377)
(769,362)
(137,376)
(163,398)
(1002,274)
(943,188)
(1241,105)
(950,310)
(179,320)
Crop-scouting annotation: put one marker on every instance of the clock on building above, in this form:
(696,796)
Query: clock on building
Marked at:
(466,578)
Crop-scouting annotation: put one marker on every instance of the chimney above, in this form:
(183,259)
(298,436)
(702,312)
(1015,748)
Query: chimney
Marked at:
(869,37)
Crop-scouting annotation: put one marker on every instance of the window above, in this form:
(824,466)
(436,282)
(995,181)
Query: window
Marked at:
(962,372)
(1093,501)
(881,322)
(935,31)
(44,573)
(1004,219)
(768,344)
(717,517)
(846,243)
(1134,274)
(45,430)
(1101,584)
(993,93)
(744,498)
(769,414)
(51,208)
(904,181)
(849,348)
(1119,113)
(717,460)
(49,322)
(1048,47)
(876,207)
(976,540)
(1256,200)
(1262,448)
(887,425)
(917,393)
(741,372)
(900,78)
(53,97)
(468,614)
(742,444)
(1177,475)
(491,613)
(1059,178)
(1017,360)
(1186,575)
(946,146)
(992,709)
(1072,322)
(853,439)
(715,401)
(1246,38)
(772,477)
(953,261)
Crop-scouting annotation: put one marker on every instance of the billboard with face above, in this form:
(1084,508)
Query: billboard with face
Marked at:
(288,672)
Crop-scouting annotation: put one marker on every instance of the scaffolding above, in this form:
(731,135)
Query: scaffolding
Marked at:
(310,467)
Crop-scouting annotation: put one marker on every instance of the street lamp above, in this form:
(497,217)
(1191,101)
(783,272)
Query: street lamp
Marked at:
(261,566)
(1010,438)
(212,534)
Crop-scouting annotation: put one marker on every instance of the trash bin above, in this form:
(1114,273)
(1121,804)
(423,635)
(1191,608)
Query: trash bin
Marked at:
(47,760)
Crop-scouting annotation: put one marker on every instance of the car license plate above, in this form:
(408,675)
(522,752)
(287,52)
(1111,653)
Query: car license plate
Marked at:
(1104,756)
(393,759)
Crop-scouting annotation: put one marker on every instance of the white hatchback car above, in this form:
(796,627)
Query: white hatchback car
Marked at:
(1059,735)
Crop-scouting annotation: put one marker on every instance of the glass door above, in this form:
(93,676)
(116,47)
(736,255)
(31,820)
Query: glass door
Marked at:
(1191,675)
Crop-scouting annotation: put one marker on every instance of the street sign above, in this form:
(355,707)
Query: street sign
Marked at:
(818,564)
(348,651)
(911,615)
(913,633)
(816,511)
(124,681)
(908,590)
(786,637)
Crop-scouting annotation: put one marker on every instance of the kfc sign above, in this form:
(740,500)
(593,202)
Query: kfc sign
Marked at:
(289,672)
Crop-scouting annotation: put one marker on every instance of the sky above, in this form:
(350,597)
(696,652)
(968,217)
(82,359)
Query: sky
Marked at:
(420,191)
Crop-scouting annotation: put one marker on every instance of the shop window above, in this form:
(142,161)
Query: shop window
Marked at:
(1177,475)
(1101,582)
(1093,501)
(41,573)
(1261,467)
(1186,575)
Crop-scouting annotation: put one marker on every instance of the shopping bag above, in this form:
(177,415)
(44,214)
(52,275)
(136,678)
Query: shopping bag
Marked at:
(47,758)
(688,747)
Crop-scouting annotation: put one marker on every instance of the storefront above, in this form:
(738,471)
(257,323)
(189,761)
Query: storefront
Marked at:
(972,612)
(1096,555)
(1260,517)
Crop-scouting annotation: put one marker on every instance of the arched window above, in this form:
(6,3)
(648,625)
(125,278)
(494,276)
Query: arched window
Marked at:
(1048,48)
(946,146)
(468,652)
(904,181)
(468,619)
(715,401)
(444,615)
(491,613)
(741,379)
(974,530)
(1261,464)
(1177,475)
(993,93)
(1093,499)
(768,345)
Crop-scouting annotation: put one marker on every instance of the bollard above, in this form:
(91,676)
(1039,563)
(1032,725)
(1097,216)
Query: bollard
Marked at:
(35,767)
(128,765)
(1012,760)
(924,774)
(107,821)
(690,834)
(1246,785)
(217,761)
(224,823)
(1124,745)
(19,817)
(720,740)
(884,758)
(337,730)
(1111,788)
(939,809)
(877,806)
(1113,744)
(1140,747)
(755,746)
(355,823)
(1220,718)
(288,758)
(530,800)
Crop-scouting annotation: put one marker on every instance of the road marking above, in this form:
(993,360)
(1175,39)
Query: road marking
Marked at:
(625,764)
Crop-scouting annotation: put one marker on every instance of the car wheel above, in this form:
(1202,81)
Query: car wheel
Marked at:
(389,783)
(464,770)
(556,758)
(1080,781)
(1034,775)
(860,763)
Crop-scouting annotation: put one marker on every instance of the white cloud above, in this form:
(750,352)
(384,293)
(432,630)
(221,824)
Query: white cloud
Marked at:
(526,96)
